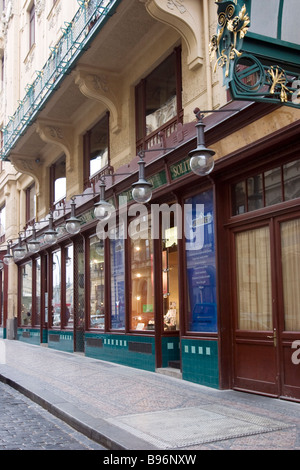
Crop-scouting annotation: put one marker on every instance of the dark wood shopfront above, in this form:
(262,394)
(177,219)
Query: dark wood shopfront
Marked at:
(259,272)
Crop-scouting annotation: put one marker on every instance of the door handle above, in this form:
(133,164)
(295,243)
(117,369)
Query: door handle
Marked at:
(274,337)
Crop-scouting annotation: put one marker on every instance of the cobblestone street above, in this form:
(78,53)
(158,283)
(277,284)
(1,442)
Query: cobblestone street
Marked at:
(24,425)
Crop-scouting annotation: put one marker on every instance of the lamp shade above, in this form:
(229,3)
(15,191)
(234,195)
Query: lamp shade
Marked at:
(202,161)
(103,210)
(142,192)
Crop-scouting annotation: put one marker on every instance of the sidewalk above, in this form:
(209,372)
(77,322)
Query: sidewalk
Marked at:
(126,408)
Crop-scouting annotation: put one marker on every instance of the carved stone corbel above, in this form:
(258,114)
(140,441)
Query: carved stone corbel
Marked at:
(28,166)
(101,86)
(61,135)
(185,16)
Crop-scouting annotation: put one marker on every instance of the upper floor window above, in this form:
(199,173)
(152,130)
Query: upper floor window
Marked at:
(30,205)
(32,26)
(276,19)
(96,149)
(158,100)
(58,186)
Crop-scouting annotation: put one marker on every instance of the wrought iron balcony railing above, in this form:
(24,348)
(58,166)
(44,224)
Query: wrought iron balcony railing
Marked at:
(90,17)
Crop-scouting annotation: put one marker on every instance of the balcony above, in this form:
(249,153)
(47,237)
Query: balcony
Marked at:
(90,17)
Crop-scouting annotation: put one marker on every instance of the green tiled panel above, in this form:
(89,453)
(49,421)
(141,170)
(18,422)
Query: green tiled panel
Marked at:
(29,335)
(200,362)
(61,340)
(44,336)
(132,351)
(170,349)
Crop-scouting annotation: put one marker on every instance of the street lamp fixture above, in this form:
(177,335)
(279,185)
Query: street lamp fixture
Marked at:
(19,252)
(73,223)
(142,189)
(8,258)
(202,158)
(33,245)
(50,236)
(103,209)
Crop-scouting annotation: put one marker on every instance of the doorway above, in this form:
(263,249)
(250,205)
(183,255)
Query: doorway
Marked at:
(266,279)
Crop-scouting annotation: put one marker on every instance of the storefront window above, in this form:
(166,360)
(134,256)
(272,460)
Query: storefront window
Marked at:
(117,283)
(26,294)
(97,306)
(38,292)
(56,288)
(142,289)
(69,319)
(201,264)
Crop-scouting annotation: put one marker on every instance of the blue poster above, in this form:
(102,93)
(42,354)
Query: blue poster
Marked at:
(201,263)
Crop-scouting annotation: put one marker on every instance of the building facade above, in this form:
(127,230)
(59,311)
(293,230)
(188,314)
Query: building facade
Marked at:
(201,280)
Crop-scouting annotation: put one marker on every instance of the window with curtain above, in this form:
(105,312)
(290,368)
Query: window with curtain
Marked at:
(254,290)
(290,258)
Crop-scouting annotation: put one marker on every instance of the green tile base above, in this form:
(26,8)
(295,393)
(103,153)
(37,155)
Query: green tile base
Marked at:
(200,362)
(132,351)
(61,340)
(29,335)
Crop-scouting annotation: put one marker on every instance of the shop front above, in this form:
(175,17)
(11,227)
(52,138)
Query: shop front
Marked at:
(144,295)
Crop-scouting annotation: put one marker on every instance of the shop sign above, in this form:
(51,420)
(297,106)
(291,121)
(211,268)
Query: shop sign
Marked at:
(180,169)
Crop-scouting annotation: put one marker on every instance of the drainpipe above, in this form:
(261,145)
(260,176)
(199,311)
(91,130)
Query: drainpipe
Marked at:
(207,61)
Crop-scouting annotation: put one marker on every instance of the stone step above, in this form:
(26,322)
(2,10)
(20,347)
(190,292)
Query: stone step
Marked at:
(170,371)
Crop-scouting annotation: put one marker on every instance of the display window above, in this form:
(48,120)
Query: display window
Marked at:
(117,282)
(97,283)
(142,282)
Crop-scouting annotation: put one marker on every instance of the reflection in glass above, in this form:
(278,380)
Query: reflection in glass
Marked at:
(255,192)
(291,177)
(26,294)
(117,283)
(56,288)
(97,306)
(142,290)
(272,181)
(69,314)
(239,198)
